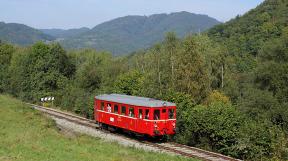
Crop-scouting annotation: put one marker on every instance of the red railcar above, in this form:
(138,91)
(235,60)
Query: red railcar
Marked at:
(140,115)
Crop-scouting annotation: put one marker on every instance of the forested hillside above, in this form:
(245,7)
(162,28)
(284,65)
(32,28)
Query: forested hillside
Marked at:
(249,33)
(256,60)
(21,34)
(127,34)
(229,83)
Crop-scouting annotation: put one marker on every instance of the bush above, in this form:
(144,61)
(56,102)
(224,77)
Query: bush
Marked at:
(216,96)
(130,83)
(222,128)
(214,127)
(260,140)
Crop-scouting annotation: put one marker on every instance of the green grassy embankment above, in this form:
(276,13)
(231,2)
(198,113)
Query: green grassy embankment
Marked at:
(26,135)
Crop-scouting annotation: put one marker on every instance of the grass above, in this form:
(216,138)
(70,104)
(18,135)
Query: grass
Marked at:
(26,135)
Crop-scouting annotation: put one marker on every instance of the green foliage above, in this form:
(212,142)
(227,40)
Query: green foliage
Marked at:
(6,52)
(221,127)
(192,74)
(90,73)
(214,127)
(216,96)
(130,83)
(255,102)
(88,76)
(185,66)
(260,140)
(256,77)
(39,71)
(272,72)
(246,34)
(179,98)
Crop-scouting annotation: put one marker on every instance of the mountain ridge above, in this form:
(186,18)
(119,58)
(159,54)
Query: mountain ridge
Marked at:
(126,34)
(21,34)
(119,36)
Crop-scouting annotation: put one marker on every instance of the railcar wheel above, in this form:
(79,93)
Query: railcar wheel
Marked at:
(160,138)
(112,128)
(104,126)
(164,138)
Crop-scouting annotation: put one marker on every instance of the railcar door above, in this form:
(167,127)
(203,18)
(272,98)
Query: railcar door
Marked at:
(100,111)
(145,122)
(140,117)
(122,119)
(95,110)
(164,117)
(132,118)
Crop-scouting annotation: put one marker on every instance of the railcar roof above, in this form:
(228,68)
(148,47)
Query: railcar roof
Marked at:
(134,100)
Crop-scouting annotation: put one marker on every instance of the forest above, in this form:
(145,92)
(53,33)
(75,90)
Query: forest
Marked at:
(229,83)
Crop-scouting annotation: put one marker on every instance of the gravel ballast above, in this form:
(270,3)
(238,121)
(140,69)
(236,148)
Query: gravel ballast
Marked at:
(70,127)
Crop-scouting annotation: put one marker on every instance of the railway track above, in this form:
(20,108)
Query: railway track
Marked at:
(169,147)
(192,152)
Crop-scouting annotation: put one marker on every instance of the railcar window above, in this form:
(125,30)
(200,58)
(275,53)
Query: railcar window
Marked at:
(102,106)
(115,108)
(140,113)
(131,112)
(156,115)
(171,114)
(109,108)
(123,110)
(147,114)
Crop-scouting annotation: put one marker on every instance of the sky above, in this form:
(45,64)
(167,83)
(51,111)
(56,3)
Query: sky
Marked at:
(67,14)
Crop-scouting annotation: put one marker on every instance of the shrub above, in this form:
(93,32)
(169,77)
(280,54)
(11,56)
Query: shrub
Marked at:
(215,127)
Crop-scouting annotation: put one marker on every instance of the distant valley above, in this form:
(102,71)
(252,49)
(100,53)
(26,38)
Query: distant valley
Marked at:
(64,34)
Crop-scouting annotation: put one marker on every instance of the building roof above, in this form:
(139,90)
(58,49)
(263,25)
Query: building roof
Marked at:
(134,100)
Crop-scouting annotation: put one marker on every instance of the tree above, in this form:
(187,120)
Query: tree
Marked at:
(130,83)
(216,96)
(192,74)
(41,70)
(89,76)
(271,74)
(170,45)
(6,52)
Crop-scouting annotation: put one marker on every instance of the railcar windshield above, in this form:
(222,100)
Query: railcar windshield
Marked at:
(102,106)
(171,114)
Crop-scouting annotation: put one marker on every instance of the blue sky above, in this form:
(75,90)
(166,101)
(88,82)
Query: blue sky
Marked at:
(79,13)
